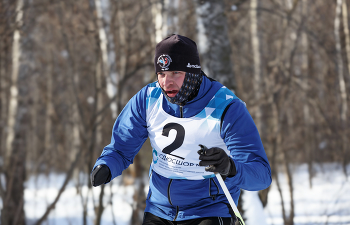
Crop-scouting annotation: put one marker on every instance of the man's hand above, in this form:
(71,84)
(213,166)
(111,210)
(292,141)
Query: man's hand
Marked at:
(217,161)
(100,175)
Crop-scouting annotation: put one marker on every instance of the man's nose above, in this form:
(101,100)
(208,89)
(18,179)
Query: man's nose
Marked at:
(168,80)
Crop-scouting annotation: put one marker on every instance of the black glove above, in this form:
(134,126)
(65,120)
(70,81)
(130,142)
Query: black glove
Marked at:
(100,175)
(217,161)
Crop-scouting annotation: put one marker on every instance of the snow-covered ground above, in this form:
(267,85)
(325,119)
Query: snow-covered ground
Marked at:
(327,202)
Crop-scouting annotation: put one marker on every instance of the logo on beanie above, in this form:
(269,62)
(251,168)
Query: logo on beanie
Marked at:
(193,66)
(164,61)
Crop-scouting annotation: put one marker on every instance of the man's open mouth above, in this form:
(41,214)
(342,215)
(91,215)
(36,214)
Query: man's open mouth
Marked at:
(171,93)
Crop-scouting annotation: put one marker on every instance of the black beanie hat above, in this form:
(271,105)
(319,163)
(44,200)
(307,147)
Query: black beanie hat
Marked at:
(177,53)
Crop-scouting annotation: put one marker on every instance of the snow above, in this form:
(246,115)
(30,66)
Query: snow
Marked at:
(327,202)
(254,210)
(69,210)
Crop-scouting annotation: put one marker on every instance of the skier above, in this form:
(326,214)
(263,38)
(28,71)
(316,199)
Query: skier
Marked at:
(197,127)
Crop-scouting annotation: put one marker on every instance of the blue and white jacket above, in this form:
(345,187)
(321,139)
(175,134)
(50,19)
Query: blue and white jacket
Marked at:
(181,199)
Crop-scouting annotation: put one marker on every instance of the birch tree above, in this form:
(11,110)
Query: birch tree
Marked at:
(49,104)
(14,165)
(4,84)
(347,48)
(186,18)
(304,81)
(256,60)
(158,21)
(279,95)
(214,42)
(133,66)
(13,100)
(102,75)
(72,132)
(345,19)
(340,72)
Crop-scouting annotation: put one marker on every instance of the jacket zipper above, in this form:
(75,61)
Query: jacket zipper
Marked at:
(169,191)
(177,212)
(169,198)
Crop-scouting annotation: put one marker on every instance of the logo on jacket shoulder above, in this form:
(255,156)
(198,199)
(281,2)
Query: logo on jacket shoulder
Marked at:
(164,61)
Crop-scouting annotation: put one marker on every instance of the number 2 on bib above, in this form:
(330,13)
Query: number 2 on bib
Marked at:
(179,139)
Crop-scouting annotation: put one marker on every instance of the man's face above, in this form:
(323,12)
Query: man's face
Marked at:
(171,81)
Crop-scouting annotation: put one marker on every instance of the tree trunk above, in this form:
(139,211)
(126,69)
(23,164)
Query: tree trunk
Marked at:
(345,126)
(214,43)
(123,56)
(73,132)
(342,86)
(96,138)
(139,193)
(49,106)
(256,60)
(277,143)
(12,212)
(346,32)
(159,22)
(186,13)
(304,80)
(32,137)
(4,85)
(13,101)
(255,42)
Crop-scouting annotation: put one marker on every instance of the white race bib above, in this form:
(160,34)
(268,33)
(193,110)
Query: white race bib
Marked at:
(175,141)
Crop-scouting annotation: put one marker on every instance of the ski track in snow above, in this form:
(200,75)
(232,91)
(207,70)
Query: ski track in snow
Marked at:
(327,202)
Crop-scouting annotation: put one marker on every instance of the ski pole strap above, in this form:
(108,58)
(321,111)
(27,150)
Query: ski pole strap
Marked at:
(229,198)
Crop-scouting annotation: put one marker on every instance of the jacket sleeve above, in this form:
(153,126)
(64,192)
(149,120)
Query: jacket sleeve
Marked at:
(243,141)
(128,135)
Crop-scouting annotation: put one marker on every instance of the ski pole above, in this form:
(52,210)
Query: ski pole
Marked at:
(227,193)
(229,198)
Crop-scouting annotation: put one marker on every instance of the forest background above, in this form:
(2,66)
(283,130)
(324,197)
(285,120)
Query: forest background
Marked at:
(67,68)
